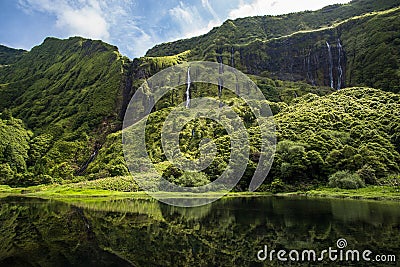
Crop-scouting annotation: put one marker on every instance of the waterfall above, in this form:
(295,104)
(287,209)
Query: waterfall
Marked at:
(90,160)
(330,64)
(220,86)
(220,82)
(340,69)
(309,74)
(237,86)
(221,65)
(188,89)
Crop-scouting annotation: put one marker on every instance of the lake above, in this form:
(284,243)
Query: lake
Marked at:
(240,231)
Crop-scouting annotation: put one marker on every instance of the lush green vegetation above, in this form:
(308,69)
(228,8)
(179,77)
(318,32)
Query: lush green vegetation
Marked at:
(293,47)
(366,193)
(9,55)
(354,129)
(345,180)
(372,45)
(245,30)
(14,149)
(342,131)
(62,103)
(68,93)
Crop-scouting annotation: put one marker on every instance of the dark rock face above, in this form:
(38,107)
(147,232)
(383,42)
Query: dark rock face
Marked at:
(317,58)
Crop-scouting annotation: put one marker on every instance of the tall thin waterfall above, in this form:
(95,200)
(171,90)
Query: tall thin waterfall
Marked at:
(220,86)
(330,64)
(308,63)
(237,85)
(188,89)
(340,69)
(221,65)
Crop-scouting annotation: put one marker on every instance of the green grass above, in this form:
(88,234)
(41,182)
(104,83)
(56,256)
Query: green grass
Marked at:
(367,193)
(71,193)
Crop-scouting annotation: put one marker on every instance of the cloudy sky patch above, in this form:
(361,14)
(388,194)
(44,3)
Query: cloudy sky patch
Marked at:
(133,26)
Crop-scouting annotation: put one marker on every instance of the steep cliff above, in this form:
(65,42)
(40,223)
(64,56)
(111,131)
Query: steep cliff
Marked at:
(70,94)
(337,46)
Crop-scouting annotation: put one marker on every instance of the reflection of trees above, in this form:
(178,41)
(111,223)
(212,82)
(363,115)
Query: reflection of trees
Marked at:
(49,234)
(228,232)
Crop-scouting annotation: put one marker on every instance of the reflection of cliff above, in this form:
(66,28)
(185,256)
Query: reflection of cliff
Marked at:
(226,233)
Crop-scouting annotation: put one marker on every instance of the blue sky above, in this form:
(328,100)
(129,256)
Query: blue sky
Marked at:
(132,25)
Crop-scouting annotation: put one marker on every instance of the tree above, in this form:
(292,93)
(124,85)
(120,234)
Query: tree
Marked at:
(39,147)
(6,174)
(6,114)
(315,164)
(293,160)
(367,174)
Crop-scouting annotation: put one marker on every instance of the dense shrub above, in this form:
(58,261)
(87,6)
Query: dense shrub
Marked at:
(345,180)
(277,186)
(190,179)
(391,180)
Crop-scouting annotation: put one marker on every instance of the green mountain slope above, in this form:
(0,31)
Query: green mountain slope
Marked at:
(295,46)
(64,79)
(9,55)
(62,103)
(232,32)
(69,93)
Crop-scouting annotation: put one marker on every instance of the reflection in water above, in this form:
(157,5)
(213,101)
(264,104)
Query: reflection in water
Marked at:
(228,232)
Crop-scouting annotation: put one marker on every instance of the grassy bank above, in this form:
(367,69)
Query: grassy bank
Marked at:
(72,191)
(368,193)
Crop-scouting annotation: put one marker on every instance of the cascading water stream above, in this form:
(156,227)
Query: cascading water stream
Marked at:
(220,86)
(309,74)
(188,89)
(340,69)
(330,64)
(221,65)
(237,86)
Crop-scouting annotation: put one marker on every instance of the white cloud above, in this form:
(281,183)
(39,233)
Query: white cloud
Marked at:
(74,17)
(206,4)
(84,22)
(132,39)
(190,22)
(184,15)
(108,20)
(277,7)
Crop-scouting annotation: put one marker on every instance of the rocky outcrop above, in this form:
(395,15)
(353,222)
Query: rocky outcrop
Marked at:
(319,59)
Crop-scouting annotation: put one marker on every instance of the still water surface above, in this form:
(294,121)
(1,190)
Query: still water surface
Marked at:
(229,232)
